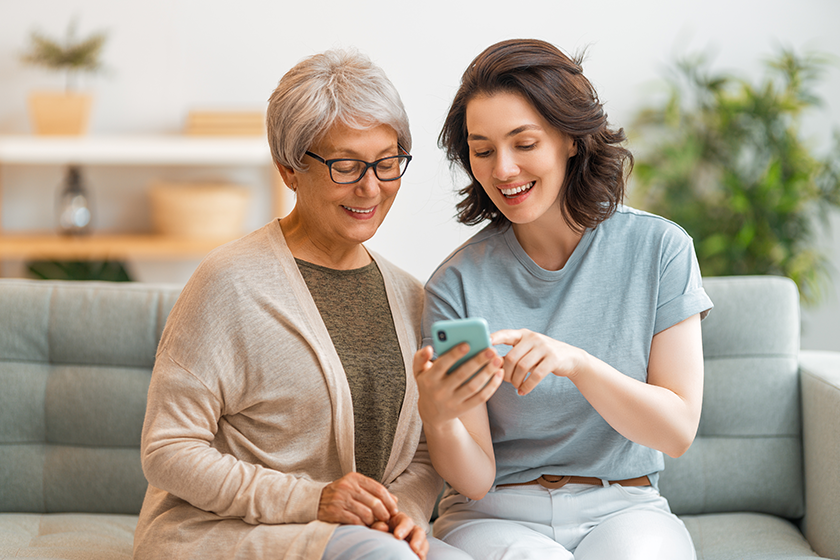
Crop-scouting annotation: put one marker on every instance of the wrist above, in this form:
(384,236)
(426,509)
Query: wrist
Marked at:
(441,427)
(581,364)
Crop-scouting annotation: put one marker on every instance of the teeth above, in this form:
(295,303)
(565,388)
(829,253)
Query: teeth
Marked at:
(517,190)
(358,211)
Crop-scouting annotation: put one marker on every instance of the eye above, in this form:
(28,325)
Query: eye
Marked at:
(527,147)
(387,164)
(482,153)
(346,166)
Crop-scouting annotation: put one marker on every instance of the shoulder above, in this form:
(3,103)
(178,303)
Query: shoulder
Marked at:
(464,259)
(229,273)
(640,228)
(406,287)
(239,260)
(397,277)
(627,217)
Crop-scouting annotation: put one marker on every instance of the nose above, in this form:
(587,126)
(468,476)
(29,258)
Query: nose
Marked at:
(505,166)
(368,185)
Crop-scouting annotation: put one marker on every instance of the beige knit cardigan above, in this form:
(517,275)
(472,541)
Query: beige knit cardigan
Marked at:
(249,413)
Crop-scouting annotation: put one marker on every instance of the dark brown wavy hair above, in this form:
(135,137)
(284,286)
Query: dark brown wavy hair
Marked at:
(555,86)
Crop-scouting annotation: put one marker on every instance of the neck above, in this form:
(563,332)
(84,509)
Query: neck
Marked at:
(305,244)
(548,243)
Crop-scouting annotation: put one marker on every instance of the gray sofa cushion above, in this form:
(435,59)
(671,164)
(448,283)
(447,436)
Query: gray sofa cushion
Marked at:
(75,370)
(748,452)
(67,536)
(746,536)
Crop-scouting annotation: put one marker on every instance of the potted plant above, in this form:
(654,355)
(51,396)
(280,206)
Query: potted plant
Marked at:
(725,159)
(63,112)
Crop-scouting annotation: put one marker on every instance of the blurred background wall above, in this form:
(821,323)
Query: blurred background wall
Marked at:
(165,57)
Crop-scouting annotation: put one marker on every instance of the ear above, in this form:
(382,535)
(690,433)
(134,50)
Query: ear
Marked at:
(289,176)
(572,147)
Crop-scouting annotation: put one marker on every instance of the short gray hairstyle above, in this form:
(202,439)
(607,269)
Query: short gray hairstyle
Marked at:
(335,86)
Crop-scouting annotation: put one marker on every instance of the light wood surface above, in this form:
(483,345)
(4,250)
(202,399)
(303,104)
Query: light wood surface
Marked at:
(46,246)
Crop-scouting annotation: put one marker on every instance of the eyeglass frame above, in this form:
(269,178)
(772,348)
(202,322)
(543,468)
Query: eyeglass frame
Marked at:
(329,163)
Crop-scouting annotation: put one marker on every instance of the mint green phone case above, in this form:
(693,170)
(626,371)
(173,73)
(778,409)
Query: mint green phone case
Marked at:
(448,334)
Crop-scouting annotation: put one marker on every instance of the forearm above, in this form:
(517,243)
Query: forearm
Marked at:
(178,456)
(230,487)
(646,414)
(467,465)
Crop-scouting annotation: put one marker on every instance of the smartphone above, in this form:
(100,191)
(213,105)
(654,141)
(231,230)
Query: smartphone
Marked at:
(450,333)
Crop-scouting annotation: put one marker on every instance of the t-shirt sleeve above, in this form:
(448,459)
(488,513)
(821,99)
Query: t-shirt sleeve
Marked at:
(681,292)
(440,305)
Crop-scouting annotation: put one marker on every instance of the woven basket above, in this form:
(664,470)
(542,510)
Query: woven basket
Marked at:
(207,210)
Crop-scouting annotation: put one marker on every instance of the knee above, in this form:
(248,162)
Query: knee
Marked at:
(391,549)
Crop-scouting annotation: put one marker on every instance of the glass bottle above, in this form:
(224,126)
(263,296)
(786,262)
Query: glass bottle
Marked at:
(74,210)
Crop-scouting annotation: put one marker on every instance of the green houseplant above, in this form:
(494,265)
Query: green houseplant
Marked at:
(63,112)
(725,159)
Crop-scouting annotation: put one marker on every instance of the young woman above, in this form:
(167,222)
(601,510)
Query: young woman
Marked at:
(553,449)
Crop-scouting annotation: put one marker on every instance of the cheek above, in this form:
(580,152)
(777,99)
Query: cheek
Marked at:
(388,193)
(480,170)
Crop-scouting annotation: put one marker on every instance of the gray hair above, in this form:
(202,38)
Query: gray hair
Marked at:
(334,86)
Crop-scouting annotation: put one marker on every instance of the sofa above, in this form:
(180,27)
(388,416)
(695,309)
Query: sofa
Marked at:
(762,480)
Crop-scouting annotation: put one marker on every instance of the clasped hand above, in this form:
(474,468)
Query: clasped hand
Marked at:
(355,499)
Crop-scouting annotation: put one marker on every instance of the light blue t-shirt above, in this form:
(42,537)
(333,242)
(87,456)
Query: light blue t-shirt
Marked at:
(629,278)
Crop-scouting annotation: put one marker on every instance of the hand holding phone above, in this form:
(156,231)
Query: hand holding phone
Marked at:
(450,333)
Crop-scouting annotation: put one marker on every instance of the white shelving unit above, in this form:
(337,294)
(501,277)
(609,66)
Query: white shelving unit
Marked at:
(135,151)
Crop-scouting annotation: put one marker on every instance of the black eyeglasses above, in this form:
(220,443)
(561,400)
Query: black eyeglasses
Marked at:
(346,171)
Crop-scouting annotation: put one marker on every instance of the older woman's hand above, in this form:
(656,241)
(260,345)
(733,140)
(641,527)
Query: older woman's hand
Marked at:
(404,528)
(355,499)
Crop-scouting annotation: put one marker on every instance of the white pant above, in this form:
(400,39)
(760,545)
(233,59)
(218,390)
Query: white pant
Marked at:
(574,522)
(357,542)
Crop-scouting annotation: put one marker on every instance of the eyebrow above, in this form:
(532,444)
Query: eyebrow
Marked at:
(514,132)
(350,154)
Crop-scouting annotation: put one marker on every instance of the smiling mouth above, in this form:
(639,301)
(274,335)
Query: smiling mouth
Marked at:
(517,190)
(359,210)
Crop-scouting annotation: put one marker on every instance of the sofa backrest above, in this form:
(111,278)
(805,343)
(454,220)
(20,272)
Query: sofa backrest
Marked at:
(76,360)
(748,451)
(75,363)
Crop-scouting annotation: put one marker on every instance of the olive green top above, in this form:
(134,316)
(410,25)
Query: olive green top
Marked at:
(355,310)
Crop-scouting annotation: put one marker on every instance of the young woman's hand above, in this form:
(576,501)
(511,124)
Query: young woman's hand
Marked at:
(538,355)
(454,412)
(445,397)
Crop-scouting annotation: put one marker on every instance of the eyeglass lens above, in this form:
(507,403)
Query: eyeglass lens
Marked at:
(351,170)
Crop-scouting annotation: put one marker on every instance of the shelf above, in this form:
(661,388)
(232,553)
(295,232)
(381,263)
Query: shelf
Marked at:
(134,150)
(103,246)
(127,150)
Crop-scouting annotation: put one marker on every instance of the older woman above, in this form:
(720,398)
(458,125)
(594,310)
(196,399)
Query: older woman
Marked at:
(282,418)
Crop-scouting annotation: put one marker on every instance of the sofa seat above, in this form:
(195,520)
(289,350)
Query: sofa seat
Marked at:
(67,536)
(760,537)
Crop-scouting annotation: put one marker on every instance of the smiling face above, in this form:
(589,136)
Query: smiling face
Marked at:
(518,158)
(339,217)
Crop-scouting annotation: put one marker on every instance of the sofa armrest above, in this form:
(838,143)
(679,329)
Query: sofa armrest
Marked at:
(820,385)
